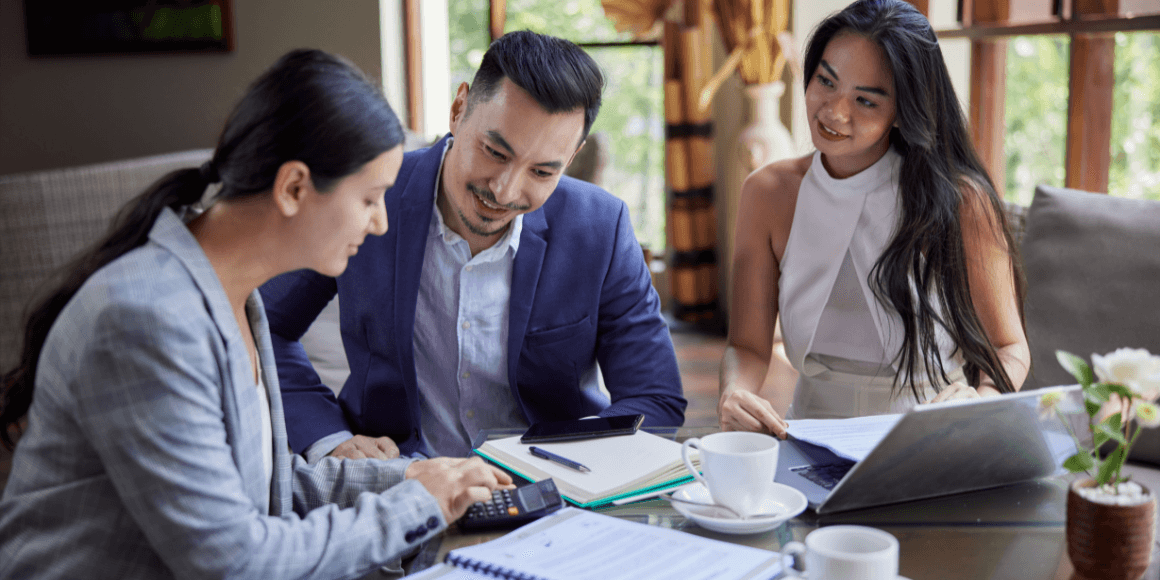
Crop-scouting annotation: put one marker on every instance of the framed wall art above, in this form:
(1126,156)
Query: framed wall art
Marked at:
(72,27)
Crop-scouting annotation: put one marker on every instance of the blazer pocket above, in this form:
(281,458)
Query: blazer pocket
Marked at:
(547,336)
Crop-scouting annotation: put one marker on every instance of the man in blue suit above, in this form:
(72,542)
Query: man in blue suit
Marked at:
(495,310)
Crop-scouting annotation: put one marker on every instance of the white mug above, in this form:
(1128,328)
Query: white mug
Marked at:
(846,553)
(738,468)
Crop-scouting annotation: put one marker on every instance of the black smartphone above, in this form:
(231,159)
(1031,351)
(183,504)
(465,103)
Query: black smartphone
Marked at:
(509,508)
(582,428)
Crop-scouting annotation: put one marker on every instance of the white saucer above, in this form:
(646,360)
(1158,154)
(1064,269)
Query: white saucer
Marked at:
(783,500)
(806,576)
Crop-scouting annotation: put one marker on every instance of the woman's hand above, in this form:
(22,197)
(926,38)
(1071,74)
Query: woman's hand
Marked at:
(960,390)
(458,483)
(745,411)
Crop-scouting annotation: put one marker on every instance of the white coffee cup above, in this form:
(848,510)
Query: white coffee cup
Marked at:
(738,468)
(845,553)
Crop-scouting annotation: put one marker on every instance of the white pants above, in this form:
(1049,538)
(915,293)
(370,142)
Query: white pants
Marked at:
(830,387)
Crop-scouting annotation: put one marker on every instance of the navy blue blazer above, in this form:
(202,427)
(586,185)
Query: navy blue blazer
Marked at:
(581,294)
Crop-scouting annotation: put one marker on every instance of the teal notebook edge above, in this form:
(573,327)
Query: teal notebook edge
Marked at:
(600,502)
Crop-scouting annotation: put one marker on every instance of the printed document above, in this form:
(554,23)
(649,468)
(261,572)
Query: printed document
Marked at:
(851,438)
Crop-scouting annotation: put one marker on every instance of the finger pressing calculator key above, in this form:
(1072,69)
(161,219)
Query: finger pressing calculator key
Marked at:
(512,507)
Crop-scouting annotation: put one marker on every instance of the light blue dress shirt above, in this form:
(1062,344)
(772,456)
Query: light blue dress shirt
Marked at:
(461,331)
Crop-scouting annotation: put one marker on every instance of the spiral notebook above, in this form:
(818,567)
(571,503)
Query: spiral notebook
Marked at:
(574,544)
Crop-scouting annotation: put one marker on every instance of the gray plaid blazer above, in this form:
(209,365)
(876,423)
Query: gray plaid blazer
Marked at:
(143,458)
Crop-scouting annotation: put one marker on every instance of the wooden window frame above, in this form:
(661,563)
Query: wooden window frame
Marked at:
(1091,24)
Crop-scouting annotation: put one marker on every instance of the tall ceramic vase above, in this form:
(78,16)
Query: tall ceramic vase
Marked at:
(764,139)
(1112,542)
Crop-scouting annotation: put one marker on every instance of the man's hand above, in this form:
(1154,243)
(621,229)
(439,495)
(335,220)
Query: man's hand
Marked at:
(458,483)
(744,411)
(363,447)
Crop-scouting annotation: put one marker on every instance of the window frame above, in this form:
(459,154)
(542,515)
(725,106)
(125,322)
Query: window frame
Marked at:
(1091,26)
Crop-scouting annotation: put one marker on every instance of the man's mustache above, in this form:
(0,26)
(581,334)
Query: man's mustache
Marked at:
(489,197)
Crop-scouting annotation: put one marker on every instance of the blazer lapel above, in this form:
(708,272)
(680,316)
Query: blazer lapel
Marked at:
(239,397)
(279,492)
(417,200)
(525,277)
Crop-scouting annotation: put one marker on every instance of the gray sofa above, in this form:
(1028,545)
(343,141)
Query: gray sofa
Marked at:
(1093,283)
(47,217)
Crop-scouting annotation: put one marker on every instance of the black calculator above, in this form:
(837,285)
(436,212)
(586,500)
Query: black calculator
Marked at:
(509,508)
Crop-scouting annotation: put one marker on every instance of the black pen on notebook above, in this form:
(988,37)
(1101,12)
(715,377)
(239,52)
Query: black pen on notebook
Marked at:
(557,459)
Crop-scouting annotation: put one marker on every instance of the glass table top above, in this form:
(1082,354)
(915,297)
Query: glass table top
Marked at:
(1012,532)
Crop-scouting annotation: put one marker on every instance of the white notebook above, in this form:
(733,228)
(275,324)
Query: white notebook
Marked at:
(620,466)
(574,544)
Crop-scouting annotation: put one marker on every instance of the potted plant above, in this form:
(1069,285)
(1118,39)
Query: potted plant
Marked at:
(1110,518)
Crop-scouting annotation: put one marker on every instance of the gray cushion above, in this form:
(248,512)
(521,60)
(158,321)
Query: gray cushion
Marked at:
(47,217)
(1093,279)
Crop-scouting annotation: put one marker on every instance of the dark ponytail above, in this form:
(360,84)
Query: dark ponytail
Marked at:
(310,106)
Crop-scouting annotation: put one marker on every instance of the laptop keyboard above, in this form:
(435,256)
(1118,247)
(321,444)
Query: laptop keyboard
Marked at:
(826,475)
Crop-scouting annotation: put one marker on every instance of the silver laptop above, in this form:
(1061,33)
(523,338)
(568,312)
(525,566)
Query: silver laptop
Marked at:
(935,450)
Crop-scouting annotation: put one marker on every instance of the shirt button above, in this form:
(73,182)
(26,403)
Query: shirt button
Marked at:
(466,325)
(470,414)
(468,268)
(466,374)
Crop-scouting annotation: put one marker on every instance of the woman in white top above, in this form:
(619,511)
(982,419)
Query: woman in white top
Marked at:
(840,242)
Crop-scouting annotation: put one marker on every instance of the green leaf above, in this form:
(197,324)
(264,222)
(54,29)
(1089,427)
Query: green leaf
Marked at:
(1079,462)
(1113,434)
(1099,438)
(1118,389)
(1101,392)
(1092,407)
(1076,366)
(1111,466)
(1113,422)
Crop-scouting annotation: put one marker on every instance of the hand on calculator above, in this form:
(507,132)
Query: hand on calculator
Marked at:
(512,507)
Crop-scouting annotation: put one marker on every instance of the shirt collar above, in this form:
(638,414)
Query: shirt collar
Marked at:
(511,238)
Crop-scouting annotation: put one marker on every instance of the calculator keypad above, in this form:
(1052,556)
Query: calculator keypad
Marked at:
(501,504)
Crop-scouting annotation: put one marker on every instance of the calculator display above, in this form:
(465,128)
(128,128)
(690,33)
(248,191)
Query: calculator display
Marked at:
(531,497)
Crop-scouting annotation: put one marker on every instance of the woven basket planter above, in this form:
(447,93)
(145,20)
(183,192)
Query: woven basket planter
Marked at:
(1110,542)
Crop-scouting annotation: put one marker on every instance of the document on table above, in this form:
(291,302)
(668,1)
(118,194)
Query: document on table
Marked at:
(574,544)
(851,438)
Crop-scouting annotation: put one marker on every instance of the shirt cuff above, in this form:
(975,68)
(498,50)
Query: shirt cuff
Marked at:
(324,446)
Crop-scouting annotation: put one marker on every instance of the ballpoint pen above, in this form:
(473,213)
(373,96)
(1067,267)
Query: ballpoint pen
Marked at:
(556,458)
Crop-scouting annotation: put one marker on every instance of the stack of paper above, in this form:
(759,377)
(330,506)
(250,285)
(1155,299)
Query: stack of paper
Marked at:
(852,438)
(579,545)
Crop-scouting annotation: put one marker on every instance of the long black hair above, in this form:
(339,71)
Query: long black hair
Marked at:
(310,106)
(939,164)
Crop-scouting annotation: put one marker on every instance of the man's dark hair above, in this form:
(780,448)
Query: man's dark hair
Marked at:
(559,75)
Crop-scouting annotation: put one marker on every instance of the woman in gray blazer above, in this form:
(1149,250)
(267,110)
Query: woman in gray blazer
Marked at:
(155,443)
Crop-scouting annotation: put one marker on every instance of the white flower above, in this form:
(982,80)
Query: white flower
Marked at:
(1051,401)
(1048,403)
(1134,368)
(1147,414)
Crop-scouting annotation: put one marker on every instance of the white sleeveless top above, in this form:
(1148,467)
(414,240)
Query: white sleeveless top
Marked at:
(838,336)
(267,430)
